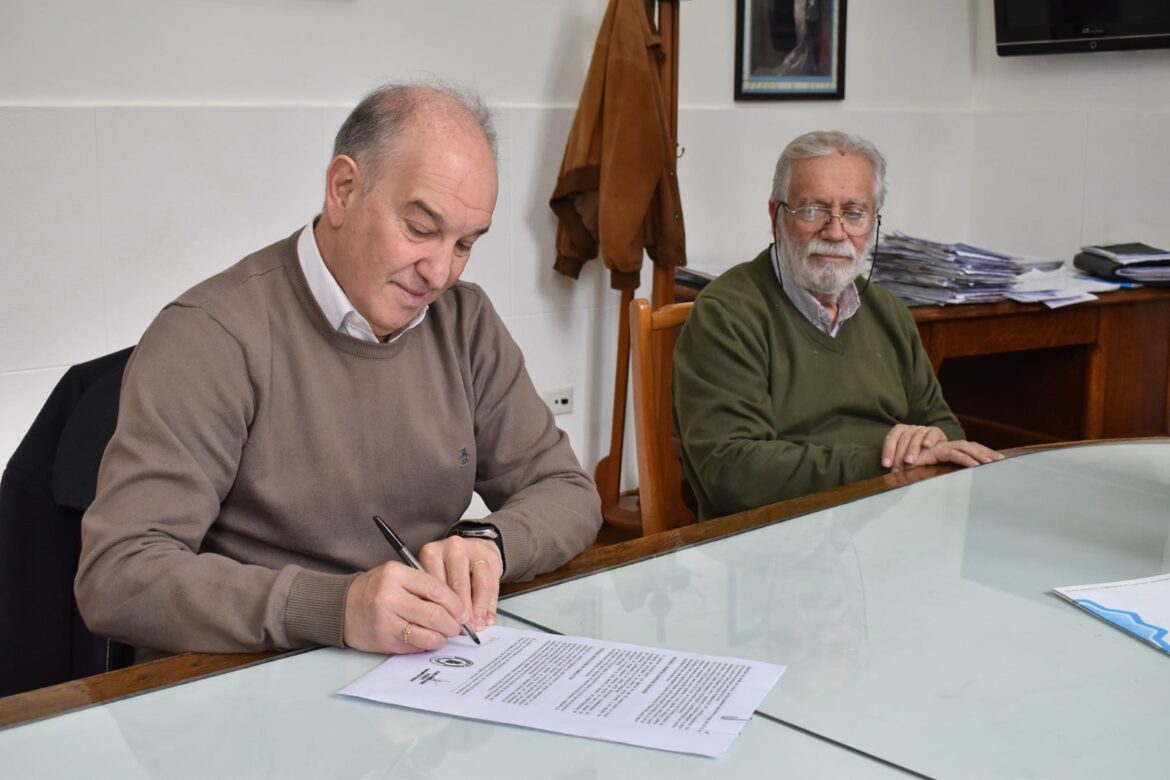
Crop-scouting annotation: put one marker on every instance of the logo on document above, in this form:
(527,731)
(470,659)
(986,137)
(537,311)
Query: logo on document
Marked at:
(453,661)
(426,676)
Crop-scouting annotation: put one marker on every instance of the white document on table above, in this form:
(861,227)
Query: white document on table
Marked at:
(666,699)
(1141,607)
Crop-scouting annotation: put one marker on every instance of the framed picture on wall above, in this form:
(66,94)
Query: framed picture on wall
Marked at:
(790,49)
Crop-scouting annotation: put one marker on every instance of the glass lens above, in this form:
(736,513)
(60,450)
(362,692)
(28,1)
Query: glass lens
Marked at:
(813,214)
(856,222)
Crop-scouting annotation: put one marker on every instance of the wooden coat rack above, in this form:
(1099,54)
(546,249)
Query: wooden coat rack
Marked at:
(621,509)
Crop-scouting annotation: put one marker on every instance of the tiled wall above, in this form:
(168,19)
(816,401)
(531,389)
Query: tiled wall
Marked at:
(1069,149)
(1049,182)
(726,173)
(132,169)
(111,212)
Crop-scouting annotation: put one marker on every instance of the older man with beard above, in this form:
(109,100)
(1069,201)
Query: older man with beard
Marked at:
(786,379)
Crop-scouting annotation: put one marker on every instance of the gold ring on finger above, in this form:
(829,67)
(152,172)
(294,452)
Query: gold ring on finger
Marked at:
(406,632)
(477,563)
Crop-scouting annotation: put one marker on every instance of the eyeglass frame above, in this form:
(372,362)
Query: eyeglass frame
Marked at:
(877,225)
(840,217)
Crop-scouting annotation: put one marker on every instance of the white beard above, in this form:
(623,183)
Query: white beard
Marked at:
(820,278)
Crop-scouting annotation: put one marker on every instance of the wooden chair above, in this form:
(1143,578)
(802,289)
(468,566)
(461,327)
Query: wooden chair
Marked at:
(661,484)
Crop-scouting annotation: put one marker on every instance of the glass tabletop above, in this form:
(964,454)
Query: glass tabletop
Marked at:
(284,719)
(919,626)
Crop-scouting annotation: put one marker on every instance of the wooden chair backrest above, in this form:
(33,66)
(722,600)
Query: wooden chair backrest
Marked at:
(660,477)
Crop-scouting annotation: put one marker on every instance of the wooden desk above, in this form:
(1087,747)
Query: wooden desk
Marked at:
(1018,374)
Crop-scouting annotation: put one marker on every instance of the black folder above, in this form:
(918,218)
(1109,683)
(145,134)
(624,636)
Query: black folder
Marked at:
(1101,266)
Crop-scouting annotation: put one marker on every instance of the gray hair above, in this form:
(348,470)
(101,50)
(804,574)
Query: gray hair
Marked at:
(373,129)
(822,143)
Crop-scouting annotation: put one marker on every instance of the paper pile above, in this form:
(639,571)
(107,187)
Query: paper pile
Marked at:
(921,271)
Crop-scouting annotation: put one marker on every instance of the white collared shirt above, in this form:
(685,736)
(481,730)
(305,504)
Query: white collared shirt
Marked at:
(334,303)
(809,306)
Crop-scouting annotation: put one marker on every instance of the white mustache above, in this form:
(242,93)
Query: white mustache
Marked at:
(830,249)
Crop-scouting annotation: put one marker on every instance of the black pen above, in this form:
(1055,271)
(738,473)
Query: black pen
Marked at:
(406,555)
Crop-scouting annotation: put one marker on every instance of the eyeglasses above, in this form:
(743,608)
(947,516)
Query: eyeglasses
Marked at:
(854,222)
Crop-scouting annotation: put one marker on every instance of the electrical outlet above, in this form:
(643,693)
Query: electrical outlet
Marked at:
(559,399)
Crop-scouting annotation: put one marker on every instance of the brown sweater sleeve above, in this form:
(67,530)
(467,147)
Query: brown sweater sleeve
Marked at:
(545,506)
(254,442)
(186,407)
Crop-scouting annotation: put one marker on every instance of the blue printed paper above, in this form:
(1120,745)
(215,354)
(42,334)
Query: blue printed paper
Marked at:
(1141,607)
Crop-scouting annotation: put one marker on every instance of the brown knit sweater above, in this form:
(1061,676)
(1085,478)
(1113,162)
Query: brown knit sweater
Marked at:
(254,442)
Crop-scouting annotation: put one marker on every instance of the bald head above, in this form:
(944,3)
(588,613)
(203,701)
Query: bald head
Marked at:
(375,130)
(412,187)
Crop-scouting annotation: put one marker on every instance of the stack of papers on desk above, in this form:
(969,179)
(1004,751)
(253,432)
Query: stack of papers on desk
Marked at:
(1058,287)
(1145,273)
(1141,607)
(921,271)
(691,276)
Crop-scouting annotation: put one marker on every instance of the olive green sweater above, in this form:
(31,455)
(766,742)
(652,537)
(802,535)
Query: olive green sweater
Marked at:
(769,407)
(254,443)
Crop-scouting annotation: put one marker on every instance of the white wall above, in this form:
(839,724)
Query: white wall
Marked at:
(150,143)
(1069,149)
(907,88)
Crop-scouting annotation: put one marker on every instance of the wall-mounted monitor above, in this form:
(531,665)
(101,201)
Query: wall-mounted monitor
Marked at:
(1060,26)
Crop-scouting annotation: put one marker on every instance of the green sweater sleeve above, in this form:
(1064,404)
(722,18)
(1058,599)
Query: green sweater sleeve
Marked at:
(735,456)
(768,407)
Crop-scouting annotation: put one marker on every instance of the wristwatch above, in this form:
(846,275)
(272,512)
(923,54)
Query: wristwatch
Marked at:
(471,530)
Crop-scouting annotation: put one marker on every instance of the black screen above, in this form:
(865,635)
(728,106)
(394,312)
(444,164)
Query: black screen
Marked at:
(1057,26)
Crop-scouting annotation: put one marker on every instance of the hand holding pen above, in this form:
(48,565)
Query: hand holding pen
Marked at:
(397,608)
(409,558)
